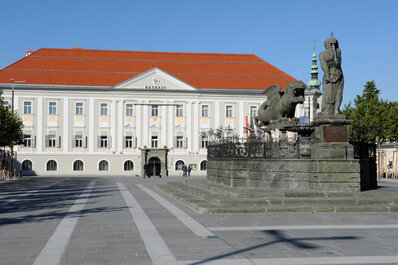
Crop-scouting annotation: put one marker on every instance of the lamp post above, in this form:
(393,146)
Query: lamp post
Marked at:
(12,93)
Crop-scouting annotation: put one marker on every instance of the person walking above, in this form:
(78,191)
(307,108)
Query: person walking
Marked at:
(184,170)
(146,170)
(189,170)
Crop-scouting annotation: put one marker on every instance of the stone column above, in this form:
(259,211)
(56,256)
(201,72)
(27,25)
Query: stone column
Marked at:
(195,120)
(120,125)
(91,133)
(138,125)
(188,122)
(163,125)
(66,125)
(40,117)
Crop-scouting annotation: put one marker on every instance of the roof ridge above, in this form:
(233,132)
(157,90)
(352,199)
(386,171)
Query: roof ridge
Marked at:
(147,60)
(128,51)
(95,72)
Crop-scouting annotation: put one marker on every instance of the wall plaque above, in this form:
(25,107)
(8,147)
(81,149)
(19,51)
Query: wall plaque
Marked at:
(335,134)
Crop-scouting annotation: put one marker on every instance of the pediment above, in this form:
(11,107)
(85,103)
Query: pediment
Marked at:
(155,79)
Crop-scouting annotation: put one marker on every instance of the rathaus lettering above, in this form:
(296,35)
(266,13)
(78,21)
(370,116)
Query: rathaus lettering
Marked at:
(155,87)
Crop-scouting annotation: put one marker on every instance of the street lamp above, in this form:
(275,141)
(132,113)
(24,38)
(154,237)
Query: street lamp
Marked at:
(12,93)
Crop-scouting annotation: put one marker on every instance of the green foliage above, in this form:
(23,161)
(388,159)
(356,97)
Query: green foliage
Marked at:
(374,120)
(11,125)
(391,122)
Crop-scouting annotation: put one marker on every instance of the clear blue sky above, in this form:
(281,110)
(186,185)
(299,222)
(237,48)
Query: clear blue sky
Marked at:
(280,32)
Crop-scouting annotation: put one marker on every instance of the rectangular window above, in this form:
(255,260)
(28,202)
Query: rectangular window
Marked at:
(52,141)
(52,108)
(27,107)
(179,110)
(104,141)
(154,141)
(205,110)
(78,140)
(129,109)
(204,141)
(228,111)
(104,109)
(253,111)
(180,142)
(27,140)
(129,142)
(79,108)
(155,110)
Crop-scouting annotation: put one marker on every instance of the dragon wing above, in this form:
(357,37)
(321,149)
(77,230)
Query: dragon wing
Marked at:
(273,93)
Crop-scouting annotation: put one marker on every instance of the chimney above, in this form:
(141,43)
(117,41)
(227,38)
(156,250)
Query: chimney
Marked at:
(29,52)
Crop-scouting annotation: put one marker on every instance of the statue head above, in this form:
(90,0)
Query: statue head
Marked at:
(329,41)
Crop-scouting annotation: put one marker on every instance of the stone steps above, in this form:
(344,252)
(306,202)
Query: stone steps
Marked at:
(206,197)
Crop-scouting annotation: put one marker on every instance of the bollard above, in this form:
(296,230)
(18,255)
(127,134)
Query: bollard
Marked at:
(20,173)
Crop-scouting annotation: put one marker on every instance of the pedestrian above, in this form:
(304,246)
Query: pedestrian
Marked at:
(184,170)
(146,170)
(189,170)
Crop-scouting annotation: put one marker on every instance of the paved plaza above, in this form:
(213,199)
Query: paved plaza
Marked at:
(121,220)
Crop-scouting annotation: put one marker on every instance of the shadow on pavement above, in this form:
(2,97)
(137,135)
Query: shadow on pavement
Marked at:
(280,237)
(54,202)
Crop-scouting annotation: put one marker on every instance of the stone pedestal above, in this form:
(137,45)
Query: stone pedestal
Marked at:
(331,139)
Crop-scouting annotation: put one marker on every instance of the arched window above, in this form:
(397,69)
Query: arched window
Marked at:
(78,165)
(179,164)
(128,165)
(52,165)
(103,165)
(203,165)
(27,165)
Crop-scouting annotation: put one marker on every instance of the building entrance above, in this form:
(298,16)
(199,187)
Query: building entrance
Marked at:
(156,159)
(154,166)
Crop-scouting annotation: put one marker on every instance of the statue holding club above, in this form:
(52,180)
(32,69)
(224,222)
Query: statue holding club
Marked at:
(333,79)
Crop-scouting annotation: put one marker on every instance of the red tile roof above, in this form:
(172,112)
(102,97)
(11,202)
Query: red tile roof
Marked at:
(81,67)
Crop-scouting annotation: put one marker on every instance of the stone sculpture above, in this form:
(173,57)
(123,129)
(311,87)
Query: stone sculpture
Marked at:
(280,104)
(333,79)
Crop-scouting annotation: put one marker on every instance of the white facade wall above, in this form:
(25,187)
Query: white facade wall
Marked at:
(65,123)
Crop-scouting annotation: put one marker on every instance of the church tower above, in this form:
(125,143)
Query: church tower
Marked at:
(311,106)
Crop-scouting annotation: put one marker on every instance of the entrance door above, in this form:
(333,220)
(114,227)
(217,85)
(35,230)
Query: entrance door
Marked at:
(154,166)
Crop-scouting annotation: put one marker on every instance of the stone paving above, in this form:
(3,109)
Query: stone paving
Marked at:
(97,226)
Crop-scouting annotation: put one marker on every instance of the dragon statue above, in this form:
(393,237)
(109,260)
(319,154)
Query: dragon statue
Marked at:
(280,104)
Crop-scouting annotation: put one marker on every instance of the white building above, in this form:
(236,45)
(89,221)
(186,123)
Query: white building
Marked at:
(103,112)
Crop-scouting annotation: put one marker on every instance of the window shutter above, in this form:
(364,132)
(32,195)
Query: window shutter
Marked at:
(124,142)
(34,141)
(109,141)
(186,143)
(47,141)
(135,142)
(175,142)
(85,142)
(59,142)
(73,141)
(98,141)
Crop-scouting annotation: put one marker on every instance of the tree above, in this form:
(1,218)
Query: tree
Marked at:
(391,122)
(374,120)
(11,125)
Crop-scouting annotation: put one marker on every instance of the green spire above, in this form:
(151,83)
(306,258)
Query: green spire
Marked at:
(314,83)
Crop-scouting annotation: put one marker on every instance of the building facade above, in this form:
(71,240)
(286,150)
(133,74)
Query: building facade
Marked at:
(95,112)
